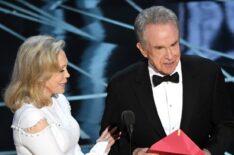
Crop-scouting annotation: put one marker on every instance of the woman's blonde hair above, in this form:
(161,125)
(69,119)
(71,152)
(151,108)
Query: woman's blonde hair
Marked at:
(36,61)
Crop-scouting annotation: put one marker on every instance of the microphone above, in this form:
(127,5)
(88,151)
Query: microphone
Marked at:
(128,119)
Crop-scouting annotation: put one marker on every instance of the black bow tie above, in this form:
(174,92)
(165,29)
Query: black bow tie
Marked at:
(158,79)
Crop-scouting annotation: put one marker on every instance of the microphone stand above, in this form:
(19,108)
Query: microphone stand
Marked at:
(130,130)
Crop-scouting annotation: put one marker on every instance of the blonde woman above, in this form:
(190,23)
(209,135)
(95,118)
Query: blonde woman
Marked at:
(43,124)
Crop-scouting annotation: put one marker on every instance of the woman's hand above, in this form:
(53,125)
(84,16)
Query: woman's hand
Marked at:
(110,135)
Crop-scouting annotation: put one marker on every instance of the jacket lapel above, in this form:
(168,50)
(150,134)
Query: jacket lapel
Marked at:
(190,92)
(143,90)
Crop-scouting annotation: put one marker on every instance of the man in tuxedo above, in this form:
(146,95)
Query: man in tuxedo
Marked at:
(168,91)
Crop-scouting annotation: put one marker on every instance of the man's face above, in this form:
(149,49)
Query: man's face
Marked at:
(161,47)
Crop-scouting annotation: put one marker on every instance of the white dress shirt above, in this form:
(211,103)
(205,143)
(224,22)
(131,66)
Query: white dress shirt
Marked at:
(168,100)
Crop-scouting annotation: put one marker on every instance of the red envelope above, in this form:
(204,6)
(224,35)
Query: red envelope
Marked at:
(177,143)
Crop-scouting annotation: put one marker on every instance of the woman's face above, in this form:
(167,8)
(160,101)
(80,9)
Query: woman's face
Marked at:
(56,83)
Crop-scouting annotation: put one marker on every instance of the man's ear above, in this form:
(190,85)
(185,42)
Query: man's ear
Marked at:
(143,52)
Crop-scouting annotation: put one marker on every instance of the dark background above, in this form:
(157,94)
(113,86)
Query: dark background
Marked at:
(100,41)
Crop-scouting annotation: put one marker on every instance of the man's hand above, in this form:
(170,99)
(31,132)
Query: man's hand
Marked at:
(206,152)
(142,151)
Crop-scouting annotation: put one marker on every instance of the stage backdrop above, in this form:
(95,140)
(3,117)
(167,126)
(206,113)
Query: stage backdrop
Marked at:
(100,41)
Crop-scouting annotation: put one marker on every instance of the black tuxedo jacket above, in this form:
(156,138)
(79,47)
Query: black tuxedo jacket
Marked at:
(206,115)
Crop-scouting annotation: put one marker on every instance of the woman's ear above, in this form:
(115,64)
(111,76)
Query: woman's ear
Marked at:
(141,49)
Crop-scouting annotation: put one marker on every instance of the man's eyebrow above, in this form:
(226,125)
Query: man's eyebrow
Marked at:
(158,46)
(175,42)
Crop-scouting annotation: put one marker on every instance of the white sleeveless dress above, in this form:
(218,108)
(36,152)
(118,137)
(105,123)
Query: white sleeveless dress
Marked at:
(59,138)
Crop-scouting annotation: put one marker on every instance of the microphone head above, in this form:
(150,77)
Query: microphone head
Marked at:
(128,117)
